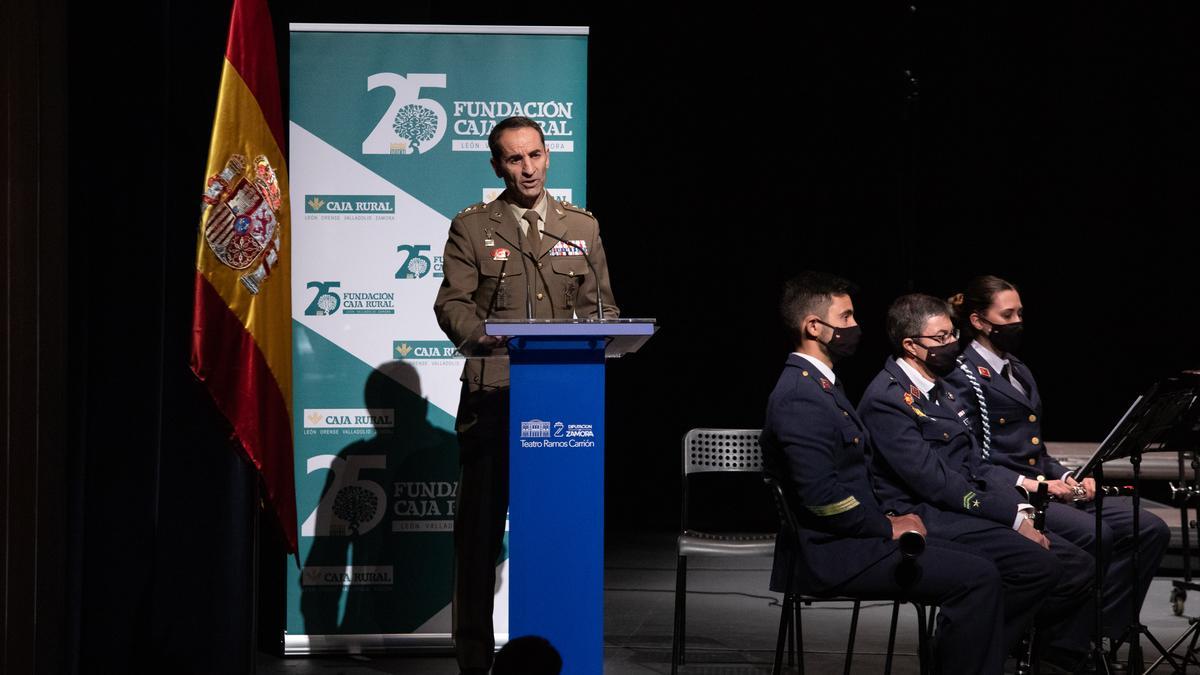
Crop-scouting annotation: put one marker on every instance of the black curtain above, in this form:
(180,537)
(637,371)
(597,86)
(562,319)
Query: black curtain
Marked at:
(1052,145)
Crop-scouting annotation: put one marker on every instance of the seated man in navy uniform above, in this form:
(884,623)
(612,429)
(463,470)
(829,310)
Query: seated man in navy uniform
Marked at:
(814,443)
(927,462)
(999,391)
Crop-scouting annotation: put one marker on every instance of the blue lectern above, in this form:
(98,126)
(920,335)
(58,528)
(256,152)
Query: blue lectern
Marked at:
(556,479)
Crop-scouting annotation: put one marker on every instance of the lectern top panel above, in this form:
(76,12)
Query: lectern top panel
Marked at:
(568,327)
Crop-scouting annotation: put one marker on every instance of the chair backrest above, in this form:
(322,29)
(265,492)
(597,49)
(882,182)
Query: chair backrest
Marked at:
(788,525)
(721,450)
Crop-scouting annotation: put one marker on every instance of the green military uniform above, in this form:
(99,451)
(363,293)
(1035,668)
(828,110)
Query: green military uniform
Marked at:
(485,277)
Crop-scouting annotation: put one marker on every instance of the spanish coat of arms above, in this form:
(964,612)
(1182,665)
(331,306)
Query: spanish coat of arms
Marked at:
(240,225)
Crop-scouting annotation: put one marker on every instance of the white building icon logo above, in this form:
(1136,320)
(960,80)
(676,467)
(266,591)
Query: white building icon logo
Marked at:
(535,429)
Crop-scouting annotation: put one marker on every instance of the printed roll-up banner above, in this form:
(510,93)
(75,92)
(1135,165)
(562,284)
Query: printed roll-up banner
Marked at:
(388,141)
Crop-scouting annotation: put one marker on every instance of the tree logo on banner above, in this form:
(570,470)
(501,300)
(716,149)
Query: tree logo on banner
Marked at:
(410,124)
(351,505)
(326,301)
(355,505)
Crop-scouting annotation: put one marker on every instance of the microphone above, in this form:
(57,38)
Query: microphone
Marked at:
(523,254)
(492,301)
(912,544)
(1040,499)
(587,259)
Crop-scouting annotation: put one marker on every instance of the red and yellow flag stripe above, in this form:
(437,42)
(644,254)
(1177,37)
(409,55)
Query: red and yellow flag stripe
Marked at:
(241,332)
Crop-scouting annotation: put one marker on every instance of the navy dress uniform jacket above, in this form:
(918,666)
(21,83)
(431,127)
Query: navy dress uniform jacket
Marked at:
(927,460)
(814,442)
(1015,419)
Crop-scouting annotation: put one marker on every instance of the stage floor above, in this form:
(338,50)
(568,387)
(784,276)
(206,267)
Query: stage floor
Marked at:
(732,622)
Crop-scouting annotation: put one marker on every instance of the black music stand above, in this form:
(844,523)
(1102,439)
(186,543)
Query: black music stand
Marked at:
(1158,421)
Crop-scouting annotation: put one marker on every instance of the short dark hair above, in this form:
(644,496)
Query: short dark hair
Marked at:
(980,294)
(908,314)
(528,655)
(516,122)
(809,293)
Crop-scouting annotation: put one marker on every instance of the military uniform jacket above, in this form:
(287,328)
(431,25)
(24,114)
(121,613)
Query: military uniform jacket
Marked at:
(1015,419)
(814,443)
(485,276)
(927,461)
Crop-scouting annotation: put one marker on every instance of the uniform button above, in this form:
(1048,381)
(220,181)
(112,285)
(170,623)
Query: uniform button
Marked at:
(1035,440)
(539,296)
(476,378)
(945,435)
(1032,461)
(539,266)
(504,274)
(571,273)
(804,373)
(1001,420)
(1033,418)
(845,414)
(856,440)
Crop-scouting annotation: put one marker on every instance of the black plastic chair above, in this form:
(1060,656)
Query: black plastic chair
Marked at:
(788,527)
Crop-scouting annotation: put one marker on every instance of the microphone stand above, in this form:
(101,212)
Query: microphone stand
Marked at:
(1026,663)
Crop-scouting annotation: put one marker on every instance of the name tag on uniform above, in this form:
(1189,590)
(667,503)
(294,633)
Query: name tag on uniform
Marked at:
(563,248)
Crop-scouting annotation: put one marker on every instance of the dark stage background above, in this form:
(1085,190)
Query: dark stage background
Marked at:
(1053,146)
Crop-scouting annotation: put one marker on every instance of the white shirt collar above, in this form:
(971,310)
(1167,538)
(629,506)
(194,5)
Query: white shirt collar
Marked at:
(918,379)
(991,357)
(821,367)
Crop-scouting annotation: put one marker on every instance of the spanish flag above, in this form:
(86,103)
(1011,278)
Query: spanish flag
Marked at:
(241,324)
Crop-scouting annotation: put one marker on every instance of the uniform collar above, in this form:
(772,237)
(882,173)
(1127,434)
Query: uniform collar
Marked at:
(993,359)
(923,383)
(518,211)
(821,367)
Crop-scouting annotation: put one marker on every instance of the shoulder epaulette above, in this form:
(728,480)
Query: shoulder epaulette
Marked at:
(478,206)
(577,209)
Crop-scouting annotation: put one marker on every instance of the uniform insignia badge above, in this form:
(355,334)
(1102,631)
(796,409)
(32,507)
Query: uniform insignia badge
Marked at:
(950,395)
(500,254)
(920,413)
(562,248)
(908,398)
(969,501)
(985,372)
(912,389)
(240,225)
(825,384)
(489,242)
(962,412)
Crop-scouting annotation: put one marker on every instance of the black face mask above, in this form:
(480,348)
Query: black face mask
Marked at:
(1006,336)
(941,360)
(844,341)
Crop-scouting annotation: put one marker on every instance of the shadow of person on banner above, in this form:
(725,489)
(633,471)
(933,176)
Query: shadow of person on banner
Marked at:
(381,560)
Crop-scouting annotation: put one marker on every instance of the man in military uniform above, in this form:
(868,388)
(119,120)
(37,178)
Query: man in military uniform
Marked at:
(928,462)
(524,255)
(815,444)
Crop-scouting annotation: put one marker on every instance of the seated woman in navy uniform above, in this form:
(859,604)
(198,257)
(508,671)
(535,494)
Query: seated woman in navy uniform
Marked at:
(1001,394)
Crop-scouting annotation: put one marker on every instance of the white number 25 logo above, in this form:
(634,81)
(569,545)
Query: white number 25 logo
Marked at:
(411,124)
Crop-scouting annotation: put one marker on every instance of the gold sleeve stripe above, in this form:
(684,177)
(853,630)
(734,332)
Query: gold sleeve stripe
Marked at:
(835,508)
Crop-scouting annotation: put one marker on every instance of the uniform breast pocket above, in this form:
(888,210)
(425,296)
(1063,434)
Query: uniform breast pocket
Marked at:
(940,431)
(499,285)
(569,273)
